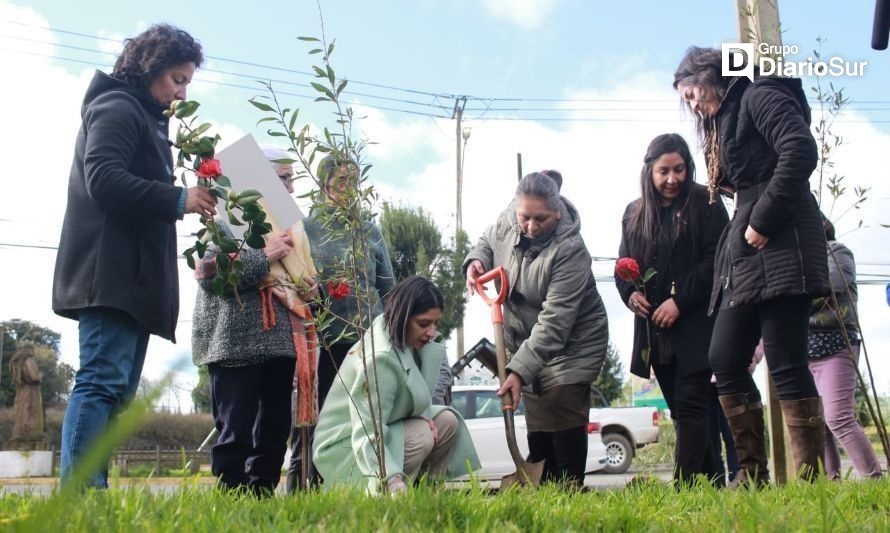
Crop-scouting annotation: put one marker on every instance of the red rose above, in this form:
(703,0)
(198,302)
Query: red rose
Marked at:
(338,290)
(627,269)
(209,169)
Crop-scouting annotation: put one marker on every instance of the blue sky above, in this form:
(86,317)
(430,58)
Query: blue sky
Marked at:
(608,64)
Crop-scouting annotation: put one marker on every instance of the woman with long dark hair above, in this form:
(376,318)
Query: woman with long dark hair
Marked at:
(771,261)
(672,229)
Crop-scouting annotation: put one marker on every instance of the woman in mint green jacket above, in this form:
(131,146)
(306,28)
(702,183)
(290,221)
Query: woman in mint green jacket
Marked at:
(392,373)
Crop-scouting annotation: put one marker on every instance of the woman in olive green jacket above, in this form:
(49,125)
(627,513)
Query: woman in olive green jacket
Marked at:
(392,373)
(554,320)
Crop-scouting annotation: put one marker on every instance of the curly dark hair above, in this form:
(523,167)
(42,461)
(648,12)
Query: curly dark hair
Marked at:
(151,52)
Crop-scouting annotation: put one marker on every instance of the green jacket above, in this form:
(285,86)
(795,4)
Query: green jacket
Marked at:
(344,438)
(555,322)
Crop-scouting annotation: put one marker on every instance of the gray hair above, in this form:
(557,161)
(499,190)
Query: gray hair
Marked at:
(541,186)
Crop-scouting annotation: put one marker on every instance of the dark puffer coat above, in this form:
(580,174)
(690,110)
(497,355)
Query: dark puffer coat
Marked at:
(767,154)
(118,243)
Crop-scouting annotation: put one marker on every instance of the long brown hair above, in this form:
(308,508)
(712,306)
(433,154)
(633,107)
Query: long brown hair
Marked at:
(645,216)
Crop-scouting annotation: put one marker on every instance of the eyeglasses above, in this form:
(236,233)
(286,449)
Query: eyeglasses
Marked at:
(287,178)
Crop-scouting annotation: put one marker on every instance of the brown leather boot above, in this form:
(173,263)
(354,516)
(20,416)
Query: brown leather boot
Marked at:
(806,427)
(744,412)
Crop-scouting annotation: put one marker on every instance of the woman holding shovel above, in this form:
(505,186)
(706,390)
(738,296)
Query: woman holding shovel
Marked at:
(554,321)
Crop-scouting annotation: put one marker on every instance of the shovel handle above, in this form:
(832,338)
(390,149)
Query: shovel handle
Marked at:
(500,273)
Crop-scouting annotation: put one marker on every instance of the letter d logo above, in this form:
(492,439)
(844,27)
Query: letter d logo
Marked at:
(738,60)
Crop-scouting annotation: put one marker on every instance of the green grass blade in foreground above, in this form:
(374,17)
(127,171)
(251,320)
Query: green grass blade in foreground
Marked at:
(126,423)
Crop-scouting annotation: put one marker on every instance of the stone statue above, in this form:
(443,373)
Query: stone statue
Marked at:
(29,429)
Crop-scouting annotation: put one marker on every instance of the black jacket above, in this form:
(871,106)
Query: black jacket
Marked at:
(691,272)
(767,154)
(118,242)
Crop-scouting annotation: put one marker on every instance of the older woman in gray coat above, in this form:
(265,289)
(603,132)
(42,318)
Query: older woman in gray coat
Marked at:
(555,323)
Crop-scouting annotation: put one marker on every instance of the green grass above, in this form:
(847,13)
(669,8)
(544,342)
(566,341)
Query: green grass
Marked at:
(824,506)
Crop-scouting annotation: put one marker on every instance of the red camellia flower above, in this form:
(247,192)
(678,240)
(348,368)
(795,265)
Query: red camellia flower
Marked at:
(209,169)
(627,269)
(338,290)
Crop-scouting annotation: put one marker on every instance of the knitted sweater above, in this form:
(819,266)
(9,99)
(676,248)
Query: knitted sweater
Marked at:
(225,334)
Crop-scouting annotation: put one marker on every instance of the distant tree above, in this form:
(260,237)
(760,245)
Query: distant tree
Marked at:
(56,375)
(416,247)
(610,381)
(201,392)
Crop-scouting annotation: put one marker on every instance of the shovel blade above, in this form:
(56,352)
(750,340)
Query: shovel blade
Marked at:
(527,474)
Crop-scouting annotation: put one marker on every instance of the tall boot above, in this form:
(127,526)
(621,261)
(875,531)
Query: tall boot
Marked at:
(744,412)
(806,427)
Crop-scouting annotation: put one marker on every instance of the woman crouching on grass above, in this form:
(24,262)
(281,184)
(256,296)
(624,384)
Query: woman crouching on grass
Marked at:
(399,379)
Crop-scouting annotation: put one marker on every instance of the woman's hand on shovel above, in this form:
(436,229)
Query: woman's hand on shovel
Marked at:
(512,386)
(474,270)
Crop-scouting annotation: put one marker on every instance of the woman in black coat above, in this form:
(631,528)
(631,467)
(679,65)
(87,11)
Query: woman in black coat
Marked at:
(116,265)
(771,260)
(673,229)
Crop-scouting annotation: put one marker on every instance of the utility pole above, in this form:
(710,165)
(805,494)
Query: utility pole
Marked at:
(460,138)
(759,23)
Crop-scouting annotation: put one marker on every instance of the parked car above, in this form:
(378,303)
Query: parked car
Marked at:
(481,409)
(624,430)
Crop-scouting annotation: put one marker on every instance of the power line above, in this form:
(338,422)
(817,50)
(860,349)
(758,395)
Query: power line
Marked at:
(485,100)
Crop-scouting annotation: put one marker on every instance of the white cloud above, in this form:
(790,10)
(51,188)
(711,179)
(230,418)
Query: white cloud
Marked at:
(527,14)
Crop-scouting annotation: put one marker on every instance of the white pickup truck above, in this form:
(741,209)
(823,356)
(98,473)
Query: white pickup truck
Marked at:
(624,429)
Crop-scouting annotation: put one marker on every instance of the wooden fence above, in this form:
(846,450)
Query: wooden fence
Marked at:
(155,457)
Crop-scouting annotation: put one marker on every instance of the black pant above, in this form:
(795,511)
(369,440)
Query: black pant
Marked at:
(687,398)
(328,365)
(564,454)
(251,409)
(783,323)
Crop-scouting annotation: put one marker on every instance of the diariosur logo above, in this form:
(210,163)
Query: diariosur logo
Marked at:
(738,60)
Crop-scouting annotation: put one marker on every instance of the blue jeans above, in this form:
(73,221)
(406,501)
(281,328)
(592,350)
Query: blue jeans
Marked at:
(112,352)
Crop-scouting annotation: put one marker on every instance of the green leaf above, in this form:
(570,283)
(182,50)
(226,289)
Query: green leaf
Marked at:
(293,119)
(222,262)
(266,119)
(219,285)
(200,129)
(272,133)
(331,77)
(309,39)
(223,181)
(341,87)
(249,192)
(233,219)
(261,106)
(331,50)
(648,275)
(255,241)
(228,246)
(238,266)
(201,246)
(315,51)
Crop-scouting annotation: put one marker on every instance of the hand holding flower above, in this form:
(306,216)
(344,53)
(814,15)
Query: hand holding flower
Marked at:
(627,269)
(201,201)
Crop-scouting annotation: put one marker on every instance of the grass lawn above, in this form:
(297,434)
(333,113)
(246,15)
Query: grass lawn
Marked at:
(824,506)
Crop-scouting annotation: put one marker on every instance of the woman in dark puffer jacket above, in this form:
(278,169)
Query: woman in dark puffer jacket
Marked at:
(771,261)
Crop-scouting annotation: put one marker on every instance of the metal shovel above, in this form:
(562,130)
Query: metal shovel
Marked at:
(526,473)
